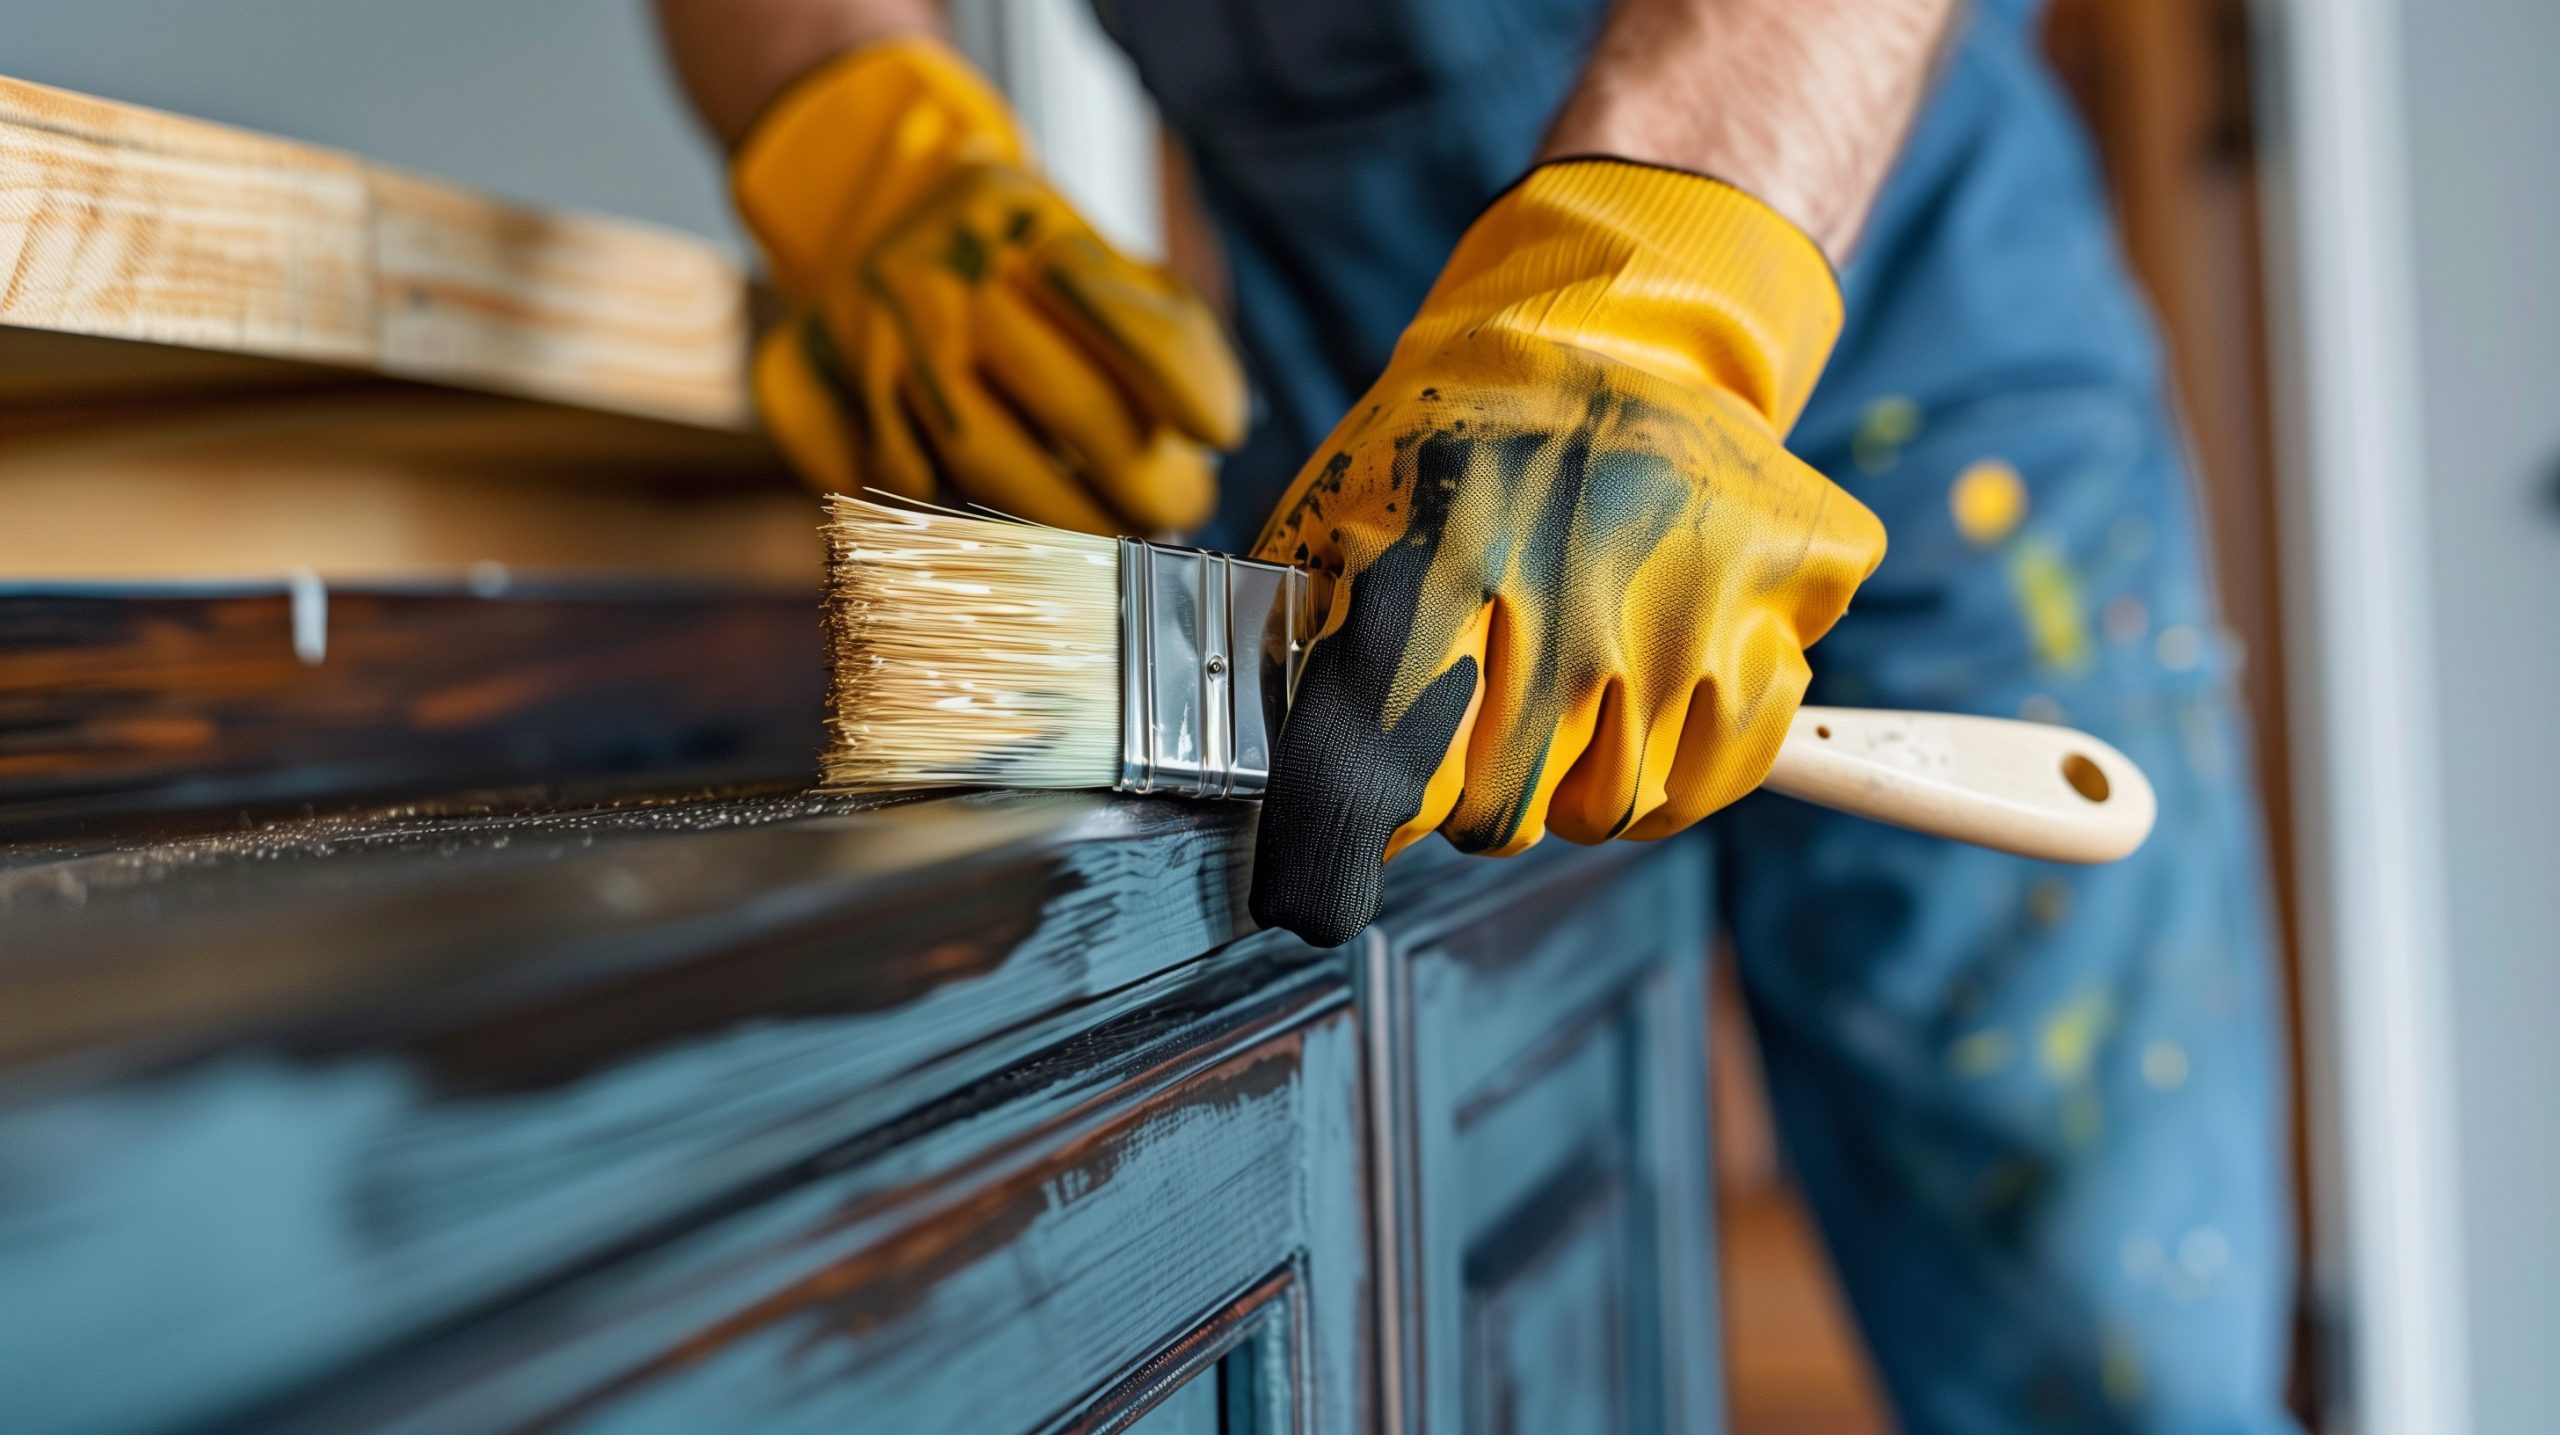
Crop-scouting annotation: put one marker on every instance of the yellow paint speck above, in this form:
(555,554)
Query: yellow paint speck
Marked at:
(1987,1052)
(1888,424)
(2164,1065)
(2069,1040)
(2049,600)
(1989,501)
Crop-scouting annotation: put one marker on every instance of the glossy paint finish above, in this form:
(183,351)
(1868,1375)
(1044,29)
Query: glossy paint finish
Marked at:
(1537,1056)
(804,1113)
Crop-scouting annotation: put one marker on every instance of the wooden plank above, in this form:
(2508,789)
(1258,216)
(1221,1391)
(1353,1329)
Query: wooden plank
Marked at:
(128,223)
(123,700)
(48,377)
(387,481)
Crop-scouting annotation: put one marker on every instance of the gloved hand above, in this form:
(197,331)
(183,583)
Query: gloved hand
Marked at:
(954,317)
(1576,568)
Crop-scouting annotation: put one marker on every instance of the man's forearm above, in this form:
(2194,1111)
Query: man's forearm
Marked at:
(1803,103)
(734,56)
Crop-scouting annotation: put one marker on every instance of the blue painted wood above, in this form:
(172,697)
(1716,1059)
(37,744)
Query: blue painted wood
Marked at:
(1538,1056)
(1547,1344)
(268,1103)
(1195,1409)
(803,1113)
(1061,1242)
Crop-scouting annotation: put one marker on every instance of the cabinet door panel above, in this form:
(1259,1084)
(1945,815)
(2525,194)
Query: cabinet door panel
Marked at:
(1194,1409)
(1243,1371)
(1546,1294)
(1095,1258)
(1159,1225)
(1538,1069)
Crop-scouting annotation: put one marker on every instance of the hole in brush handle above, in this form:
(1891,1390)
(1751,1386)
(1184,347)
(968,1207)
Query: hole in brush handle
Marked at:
(2085,776)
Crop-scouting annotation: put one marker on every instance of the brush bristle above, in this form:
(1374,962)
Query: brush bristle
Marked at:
(972,651)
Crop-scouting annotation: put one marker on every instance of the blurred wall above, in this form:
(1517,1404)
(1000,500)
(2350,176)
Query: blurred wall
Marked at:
(2484,125)
(561,101)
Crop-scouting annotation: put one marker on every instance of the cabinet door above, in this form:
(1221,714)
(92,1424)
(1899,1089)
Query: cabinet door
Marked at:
(1539,1114)
(1159,1225)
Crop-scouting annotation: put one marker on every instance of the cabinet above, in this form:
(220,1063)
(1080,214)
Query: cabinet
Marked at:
(1540,1116)
(799,1114)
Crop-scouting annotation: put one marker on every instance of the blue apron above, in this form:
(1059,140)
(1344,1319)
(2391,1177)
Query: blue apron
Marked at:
(2036,1109)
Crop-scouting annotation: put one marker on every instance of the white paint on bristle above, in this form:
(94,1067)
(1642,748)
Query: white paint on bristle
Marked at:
(970,651)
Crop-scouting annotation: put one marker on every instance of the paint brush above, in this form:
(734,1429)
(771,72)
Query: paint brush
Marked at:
(977,651)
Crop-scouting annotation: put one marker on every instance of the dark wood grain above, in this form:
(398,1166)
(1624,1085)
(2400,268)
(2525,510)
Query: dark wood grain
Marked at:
(116,703)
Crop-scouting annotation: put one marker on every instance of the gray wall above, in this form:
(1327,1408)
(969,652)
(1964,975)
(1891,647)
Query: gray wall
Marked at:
(563,101)
(2484,131)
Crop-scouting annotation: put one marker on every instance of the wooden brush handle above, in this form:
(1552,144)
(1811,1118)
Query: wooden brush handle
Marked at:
(2029,788)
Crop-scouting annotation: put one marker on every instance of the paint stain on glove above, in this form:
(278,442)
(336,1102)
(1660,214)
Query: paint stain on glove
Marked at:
(1576,567)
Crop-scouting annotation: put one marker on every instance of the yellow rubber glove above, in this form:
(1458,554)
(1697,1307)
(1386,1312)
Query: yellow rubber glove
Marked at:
(1576,570)
(953,317)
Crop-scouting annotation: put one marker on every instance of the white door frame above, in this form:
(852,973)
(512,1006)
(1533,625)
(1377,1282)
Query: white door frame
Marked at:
(2377,991)
(1080,101)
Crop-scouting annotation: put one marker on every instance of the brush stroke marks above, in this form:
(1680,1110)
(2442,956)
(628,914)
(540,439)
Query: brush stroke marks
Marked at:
(1572,595)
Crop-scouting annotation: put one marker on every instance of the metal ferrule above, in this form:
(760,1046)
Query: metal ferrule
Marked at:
(1210,647)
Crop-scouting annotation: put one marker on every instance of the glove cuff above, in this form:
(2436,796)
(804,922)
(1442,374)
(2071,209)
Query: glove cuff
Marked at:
(857,142)
(1673,272)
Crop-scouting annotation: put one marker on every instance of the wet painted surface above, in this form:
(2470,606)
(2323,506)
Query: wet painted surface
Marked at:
(767,1112)
(1559,1209)
(267,1102)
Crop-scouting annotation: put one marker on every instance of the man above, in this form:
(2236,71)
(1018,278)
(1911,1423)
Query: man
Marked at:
(1533,293)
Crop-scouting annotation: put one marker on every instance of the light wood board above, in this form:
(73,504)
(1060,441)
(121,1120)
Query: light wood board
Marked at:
(142,461)
(132,224)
